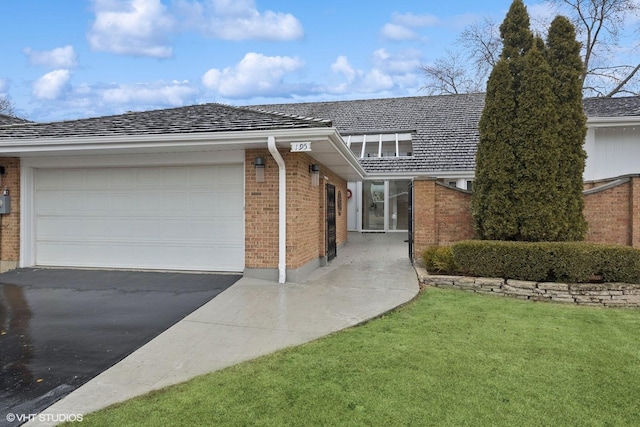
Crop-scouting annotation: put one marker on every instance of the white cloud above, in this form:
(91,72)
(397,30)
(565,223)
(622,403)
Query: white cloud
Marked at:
(343,67)
(407,61)
(376,80)
(131,27)
(239,20)
(402,26)
(255,75)
(398,32)
(411,20)
(52,85)
(4,87)
(175,93)
(60,57)
(391,73)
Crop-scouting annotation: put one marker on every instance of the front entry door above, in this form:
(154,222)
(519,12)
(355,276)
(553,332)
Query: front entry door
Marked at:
(332,249)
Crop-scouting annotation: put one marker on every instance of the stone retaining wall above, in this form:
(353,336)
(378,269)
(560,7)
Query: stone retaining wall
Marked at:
(593,294)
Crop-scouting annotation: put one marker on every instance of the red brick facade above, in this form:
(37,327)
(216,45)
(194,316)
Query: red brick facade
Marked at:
(306,241)
(442,214)
(612,210)
(10,223)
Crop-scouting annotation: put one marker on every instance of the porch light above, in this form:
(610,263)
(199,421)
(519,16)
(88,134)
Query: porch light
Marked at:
(314,170)
(259,164)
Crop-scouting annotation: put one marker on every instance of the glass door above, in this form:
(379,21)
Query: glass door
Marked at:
(385,205)
(398,205)
(373,212)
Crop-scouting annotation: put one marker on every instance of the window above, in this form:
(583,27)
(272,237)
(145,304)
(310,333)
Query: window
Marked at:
(381,145)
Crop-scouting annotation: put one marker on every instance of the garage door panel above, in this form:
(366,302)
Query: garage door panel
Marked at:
(187,218)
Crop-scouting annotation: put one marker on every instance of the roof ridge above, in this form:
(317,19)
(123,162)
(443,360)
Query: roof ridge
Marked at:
(289,115)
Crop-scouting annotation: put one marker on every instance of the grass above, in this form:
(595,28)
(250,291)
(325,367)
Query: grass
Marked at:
(450,358)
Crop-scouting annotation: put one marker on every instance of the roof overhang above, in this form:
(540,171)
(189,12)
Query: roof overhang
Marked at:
(600,122)
(328,147)
(458,174)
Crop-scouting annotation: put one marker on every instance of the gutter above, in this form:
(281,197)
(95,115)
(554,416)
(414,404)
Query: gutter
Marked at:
(282,210)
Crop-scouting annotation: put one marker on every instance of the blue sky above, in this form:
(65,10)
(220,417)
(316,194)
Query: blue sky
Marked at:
(78,58)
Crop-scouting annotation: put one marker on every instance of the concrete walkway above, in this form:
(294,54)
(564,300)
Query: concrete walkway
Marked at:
(371,275)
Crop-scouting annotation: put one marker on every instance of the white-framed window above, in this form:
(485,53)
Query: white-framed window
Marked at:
(381,145)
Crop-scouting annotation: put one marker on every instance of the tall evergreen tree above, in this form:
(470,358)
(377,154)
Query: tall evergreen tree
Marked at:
(536,148)
(493,198)
(516,194)
(567,69)
(495,160)
(515,33)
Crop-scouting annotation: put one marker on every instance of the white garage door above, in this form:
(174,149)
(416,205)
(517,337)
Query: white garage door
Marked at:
(184,218)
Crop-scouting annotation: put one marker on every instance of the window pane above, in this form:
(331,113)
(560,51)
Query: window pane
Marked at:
(373,205)
(399,205)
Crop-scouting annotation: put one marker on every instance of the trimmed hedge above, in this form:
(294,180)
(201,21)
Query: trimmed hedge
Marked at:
(439,259)
(573,262)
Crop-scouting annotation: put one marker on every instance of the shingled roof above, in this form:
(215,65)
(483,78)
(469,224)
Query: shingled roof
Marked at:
(612,107)
(192,119)
(444,128)
(11,120)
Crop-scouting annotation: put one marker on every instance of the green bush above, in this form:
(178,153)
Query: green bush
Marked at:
(439,259)
(548,261)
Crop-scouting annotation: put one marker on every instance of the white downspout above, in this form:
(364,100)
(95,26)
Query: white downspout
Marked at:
(282,210)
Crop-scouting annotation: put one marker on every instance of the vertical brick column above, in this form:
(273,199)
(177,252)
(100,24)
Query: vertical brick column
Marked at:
(634,214)
(10,223)
(424,214)
(261,212)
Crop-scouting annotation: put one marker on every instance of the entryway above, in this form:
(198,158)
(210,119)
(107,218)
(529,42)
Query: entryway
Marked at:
(379,205)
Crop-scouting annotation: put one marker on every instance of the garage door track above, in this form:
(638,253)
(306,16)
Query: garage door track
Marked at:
(61,327)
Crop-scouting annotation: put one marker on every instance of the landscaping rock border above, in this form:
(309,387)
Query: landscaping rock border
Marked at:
(591,294)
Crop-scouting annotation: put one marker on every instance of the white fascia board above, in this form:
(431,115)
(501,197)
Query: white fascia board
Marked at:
(322,134)
(410,175)
(341,147)
(597,122)
(392,176)
(181,140)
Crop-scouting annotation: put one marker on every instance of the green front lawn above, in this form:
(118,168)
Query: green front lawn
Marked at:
(450,358)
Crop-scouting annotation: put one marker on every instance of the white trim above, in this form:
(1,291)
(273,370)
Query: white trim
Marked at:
(124,160)
(385,211)
(613,121)
(27,217)
(282,210)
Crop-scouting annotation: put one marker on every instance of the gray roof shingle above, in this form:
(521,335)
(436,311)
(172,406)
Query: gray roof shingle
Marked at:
(612,107)
(192,119)
(11,120)
(444,127)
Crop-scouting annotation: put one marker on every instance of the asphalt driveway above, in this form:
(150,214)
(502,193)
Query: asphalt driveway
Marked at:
(60,327)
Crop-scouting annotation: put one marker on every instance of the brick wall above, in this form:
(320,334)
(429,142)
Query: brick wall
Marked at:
(612,210)
(305,211)
(10,223)
(442,214)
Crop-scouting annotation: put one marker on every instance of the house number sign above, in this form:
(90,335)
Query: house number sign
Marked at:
(297,147)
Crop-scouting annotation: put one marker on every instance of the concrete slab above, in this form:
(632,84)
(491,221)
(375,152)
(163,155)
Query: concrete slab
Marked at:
(371,276)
